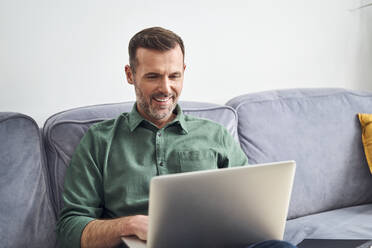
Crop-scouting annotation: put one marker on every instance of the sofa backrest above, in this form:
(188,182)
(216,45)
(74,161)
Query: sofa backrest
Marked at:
(319,129)
(63,131)
(27,218)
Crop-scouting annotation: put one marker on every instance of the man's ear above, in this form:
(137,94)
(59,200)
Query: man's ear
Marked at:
(129,74)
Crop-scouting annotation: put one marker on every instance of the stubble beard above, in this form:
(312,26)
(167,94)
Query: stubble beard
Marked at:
(147,108)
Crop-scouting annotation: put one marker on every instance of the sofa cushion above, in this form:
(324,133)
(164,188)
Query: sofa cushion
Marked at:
(63,131)
(27,218)
(366,123)
(345,223)
(319,129)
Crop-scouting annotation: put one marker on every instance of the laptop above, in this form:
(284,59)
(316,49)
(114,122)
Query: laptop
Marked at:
(229,207)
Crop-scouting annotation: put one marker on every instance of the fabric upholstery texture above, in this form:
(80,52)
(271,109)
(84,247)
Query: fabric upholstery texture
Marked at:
(366,124)
(319,129)
(345,223)
(27,218)
(63,131)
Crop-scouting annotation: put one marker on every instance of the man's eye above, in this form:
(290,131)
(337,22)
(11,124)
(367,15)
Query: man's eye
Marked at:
(174,76)
(151,76)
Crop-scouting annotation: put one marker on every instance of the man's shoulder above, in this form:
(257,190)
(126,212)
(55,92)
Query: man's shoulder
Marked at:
(203,122)
(107,126)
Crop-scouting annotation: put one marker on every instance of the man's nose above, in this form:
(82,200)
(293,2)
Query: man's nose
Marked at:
(165,86)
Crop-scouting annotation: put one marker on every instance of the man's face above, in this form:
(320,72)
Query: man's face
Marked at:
(158,82)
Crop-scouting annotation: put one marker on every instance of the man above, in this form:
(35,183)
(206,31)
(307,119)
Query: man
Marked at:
(107,183)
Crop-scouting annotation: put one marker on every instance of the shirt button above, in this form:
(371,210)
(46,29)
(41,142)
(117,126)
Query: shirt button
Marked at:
(159,134)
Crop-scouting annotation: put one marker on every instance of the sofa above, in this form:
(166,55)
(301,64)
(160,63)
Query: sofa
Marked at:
(318,128)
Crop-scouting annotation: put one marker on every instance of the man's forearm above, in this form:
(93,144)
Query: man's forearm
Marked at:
(108,233)
(102,233)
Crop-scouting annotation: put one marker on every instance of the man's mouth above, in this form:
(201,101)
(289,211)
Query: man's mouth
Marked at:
(162,99)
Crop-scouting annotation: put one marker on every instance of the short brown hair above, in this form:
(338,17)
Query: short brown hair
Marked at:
(156,38)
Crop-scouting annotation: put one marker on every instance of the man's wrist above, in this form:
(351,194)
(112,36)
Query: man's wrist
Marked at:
(126,227)
(134,225)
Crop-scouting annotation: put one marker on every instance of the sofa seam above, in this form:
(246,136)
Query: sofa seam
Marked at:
(291,98)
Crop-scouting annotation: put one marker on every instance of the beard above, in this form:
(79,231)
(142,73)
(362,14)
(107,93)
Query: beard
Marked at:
(150,111)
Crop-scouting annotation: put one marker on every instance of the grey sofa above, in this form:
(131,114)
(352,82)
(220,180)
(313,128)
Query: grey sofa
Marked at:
(332,194)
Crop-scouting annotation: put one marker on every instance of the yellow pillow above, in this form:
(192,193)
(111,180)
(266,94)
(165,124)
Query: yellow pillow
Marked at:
(366,123)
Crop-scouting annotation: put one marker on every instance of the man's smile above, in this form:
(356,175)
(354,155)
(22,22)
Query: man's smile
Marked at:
(163,101)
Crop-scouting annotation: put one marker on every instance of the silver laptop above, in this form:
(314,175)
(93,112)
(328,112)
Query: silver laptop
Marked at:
(229,207)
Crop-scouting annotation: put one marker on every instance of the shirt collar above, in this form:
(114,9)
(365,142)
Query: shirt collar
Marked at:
(180,119)
(135,119)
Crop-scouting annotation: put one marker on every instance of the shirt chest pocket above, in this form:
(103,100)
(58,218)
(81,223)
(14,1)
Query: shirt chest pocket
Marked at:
(194,160)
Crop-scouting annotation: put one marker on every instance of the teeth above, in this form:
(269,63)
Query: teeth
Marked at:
(162,100)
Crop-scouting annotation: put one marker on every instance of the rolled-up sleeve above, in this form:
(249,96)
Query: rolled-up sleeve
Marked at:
(83,193)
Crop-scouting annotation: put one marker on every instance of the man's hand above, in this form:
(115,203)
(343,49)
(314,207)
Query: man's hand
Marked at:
(136,225)
(108,233)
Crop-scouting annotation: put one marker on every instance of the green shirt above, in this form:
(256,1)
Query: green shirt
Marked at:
(110,172)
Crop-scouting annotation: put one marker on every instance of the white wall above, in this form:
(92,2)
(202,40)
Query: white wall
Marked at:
(56,55)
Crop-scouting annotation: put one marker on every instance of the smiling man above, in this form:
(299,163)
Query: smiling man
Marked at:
(157,81)
(106,186)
